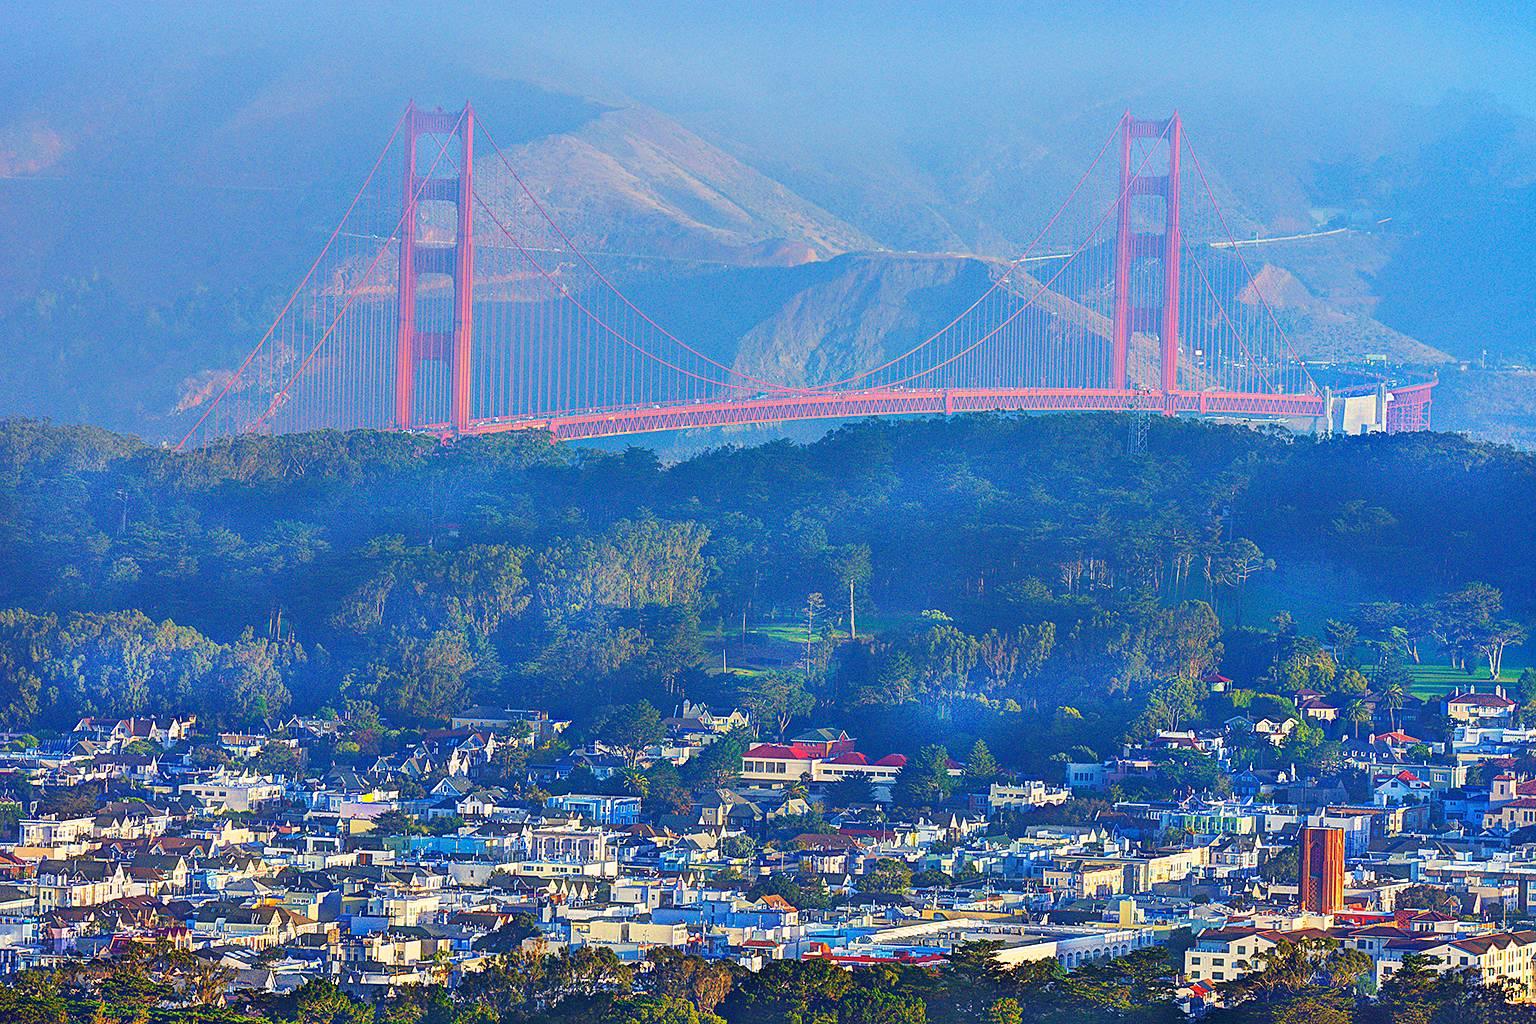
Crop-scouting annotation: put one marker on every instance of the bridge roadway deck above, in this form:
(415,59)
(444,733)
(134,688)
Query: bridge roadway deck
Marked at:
(900,402)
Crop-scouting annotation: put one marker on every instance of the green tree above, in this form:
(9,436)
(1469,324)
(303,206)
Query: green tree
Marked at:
(719,762)
(981,766)
(318,1001)
(637,782)
(851,566)
(1357,712)
(737,846)
(1393,695)
(631,728)
(702,983)
(419,678)
(889,876)
(646,1009)
(1342,639)
(878,1006)
(1006,1011)
(778,698)
(924,780)
(851,791)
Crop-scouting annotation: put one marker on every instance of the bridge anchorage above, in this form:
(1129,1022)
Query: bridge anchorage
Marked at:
(448,299)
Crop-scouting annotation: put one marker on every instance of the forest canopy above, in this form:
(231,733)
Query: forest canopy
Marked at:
(989,562)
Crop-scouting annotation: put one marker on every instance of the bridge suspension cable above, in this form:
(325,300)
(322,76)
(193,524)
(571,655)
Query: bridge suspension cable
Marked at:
(1237,250)
(1039,291)
(299,288)
(1001,280)
(402,321)
(282,395)
(601,277)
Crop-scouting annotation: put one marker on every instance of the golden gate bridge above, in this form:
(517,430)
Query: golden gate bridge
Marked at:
(449,300)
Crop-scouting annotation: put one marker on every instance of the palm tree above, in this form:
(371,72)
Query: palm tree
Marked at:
(637,782)
(1394,696)
(1357,711)
(442,965)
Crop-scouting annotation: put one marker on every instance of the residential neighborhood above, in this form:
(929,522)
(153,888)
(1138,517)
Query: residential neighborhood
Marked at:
(418,865)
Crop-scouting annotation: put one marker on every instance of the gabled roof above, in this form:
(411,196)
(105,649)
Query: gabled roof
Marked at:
(1481,700)
(1404,776)
(821,736)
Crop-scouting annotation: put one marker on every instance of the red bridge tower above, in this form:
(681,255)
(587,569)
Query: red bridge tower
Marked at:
(1161,243)
(413,344)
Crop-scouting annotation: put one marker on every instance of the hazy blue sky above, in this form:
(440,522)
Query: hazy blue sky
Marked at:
(794,50)
(713,56)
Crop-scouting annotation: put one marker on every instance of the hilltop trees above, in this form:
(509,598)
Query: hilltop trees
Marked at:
(1310,980)
(777,698)
(981,766)
(1470,626)
(1020,565)
(125,663)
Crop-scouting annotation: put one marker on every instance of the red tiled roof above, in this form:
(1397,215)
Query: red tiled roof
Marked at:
(1397,737)
(794,752)
(1406,776)
(893,761)
(1482,700)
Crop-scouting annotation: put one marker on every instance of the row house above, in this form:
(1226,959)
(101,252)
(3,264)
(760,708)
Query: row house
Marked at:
(522,725)
(256,928)
(226,793)
(130,820)
(159,875)
(164,732)
(79,882)
(67,835)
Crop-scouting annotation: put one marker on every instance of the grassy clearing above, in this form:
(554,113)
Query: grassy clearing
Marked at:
(775,646)
(780,632)
(1437,680)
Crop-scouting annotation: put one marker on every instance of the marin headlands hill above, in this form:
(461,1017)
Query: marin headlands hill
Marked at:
(823,512)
